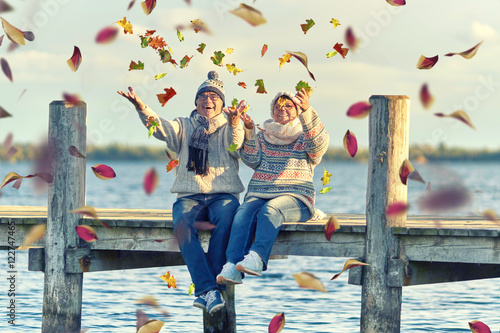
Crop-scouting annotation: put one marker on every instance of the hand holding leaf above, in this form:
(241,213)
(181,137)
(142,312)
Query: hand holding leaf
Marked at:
(234,113)
(302,99)
(134,99)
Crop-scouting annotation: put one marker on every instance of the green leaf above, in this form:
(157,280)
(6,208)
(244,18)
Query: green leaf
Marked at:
(180,35)
(233,147)
(307,26)
(145,41)
(234,102)
(191,289)
(217,58)
(325,189)
(260,86)
(331,54)
(165,56)
(201,48)
(152,128)
(159,76)
(136,66)
(185,61)
(304,85)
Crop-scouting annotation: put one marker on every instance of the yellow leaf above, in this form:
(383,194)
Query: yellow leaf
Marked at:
(169,279)
(232,69)
(14,34)
(34,234)
(285,59)
(152,326)
(326,177)
(229,51)
(127,27)
(350,263)
(335,22)
(309,281)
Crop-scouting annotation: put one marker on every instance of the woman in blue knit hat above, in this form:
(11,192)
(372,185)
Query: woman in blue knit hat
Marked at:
(281,189)
(206,182)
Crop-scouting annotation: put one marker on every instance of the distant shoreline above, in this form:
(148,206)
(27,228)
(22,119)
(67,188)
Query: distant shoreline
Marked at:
(418,153)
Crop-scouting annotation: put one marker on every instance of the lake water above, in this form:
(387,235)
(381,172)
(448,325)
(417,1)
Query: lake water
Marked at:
(109,297)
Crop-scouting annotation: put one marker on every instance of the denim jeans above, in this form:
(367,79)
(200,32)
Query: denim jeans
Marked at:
(262,218)
(218,209)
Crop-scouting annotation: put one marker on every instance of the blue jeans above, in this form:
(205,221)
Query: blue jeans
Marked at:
(217,209)
(262,218)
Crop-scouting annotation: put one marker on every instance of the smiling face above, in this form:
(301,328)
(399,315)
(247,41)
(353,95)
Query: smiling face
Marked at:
(284,111)
(209,104)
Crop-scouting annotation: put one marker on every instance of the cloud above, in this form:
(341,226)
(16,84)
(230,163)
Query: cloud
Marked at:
(483,31)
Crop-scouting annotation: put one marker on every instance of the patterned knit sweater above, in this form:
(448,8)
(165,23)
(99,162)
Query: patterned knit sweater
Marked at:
(223,174)
(286,169)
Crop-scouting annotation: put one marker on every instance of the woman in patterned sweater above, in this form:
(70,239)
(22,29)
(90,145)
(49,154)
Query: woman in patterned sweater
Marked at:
(283,156)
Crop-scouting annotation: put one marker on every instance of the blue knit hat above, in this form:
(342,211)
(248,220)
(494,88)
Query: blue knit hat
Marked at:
(213,84)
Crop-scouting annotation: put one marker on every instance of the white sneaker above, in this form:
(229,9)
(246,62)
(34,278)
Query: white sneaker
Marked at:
(251,264)
(229,274)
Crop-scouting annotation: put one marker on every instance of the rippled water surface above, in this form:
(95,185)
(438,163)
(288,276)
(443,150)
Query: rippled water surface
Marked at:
(109,297)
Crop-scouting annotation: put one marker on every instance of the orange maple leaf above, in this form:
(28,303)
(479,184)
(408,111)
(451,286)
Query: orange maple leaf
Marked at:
(157,42)
(164,98)
(150,32)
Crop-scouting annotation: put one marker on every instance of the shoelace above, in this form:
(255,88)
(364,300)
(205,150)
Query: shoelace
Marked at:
(210,297)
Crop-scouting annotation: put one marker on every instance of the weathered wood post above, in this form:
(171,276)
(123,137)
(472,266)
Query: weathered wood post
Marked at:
(388,148)
(62,293)
(223,321)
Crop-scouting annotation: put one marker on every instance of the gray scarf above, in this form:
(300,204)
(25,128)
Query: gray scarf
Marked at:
(198,143)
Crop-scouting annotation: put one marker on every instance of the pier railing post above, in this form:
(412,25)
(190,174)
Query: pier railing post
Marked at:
(62,293)
(388,148)
(223,321)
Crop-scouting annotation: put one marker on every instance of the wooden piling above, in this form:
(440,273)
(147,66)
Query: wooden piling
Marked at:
(223,321)
(62,293)
(388,148)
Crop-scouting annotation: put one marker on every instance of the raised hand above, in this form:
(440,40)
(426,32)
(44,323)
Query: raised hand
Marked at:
(233,115)
(247,121)
(134,99)
(302,99)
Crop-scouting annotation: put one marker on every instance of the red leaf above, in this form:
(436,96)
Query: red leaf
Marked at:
(350,143)
(172,164)
(107,35)
(330,227)
(425,96)
(6,69)
(103,171)
(359,110)
(264,50)
(87,233)
(73,151)
(341,50)
(148,6)
(277,323)
(164,98)
(351,39)
(396,2)
(150,181)
(75,60)
(477,326)
(242,84)
(397,209)
(71,100)
(426,63)
(405,170)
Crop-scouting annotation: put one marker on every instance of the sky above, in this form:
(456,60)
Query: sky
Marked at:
(391,41)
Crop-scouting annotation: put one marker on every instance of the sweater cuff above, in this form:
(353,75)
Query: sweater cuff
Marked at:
(250,133)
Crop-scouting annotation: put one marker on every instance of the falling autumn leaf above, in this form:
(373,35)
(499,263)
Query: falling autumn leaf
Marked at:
(5,7)
(426,63)
(242,84)
(425,96)
(341,50)
(169,279)
(191,289)
(7,142)
(351,40)
(160,76)
(151,181)
(445,199)
(142,318)
(180,35)
(232,69)
(397,209)
(201,48)
(331,54)
(103,171)
(217,58)
(198,25)
(477,326)
(75,60)
(233,148)
(326,177)
(1,40)
(73,151)
(396,2)
(229,50)
(28,35)
(164,98)
(12,176)
(303,59)
(148,6)
(86,232)
(277,323)
(172,164)
(325,190)
(405,170)
(185,61)
(71,100)
(152,326)
(304,85)
(13,34)
(6,69)
(459,115)
(127,27)
(490,215)
(350,143)
(156,42)
(34,234)
(308,25)
(106,35)
(309,281)
(264,50)
(466,54)
(359,110)
(11,152)
(415,175)
(330,227)
(350,263)
(90,211)
(335,23)
(260,87)
(148,300)
(249,14)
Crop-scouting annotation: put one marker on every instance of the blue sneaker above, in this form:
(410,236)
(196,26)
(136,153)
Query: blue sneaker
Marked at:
(215,301)
(229,274)
(201,301)
(251,264)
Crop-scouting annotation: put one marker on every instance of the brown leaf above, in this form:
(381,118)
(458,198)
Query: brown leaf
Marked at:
(6,69)
(249,14)
(309,281)
(350,263)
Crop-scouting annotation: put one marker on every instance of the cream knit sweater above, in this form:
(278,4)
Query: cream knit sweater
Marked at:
(223,174)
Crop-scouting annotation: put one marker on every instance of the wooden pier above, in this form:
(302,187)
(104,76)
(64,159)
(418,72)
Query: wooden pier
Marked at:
(401,251)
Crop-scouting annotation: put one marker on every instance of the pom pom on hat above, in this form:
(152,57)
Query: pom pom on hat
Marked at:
(212,84)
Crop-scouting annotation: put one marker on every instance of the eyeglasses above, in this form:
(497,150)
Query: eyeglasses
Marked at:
(286,106)
(212,97)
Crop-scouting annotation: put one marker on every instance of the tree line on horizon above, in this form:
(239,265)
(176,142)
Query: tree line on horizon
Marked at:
(418,153)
